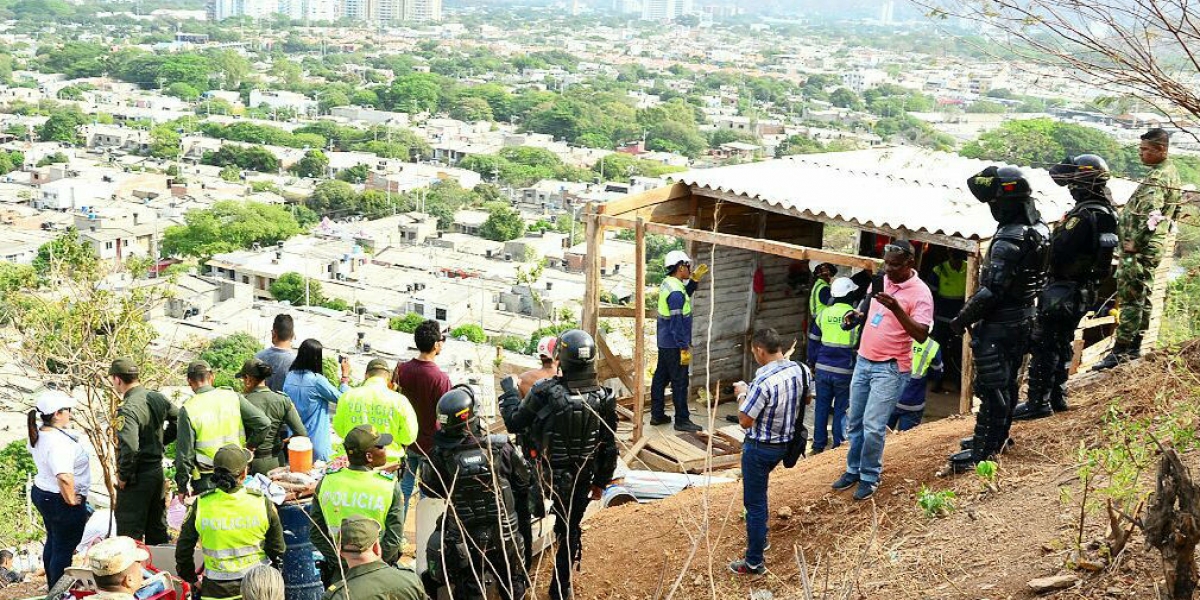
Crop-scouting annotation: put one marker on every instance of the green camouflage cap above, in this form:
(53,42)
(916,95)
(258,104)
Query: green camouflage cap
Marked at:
(232,458)
(123,366)
(364,437)
(377,364)
(358,533)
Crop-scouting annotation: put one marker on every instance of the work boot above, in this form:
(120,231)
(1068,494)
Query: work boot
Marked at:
(969,442)
(965,461)
(1121,353)
(1032,409)
(656,421)
(1058,398)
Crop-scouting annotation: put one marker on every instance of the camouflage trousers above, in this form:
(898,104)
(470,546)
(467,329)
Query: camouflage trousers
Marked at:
(1135,280)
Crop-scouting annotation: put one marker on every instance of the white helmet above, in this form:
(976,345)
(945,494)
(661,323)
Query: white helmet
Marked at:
(842,286)
(675,257)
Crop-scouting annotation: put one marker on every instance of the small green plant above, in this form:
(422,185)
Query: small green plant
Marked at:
(989,474)
(935,504)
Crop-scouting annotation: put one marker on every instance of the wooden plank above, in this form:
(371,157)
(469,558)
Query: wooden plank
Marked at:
(968,358)
(628,456)
(591,269)
(625,312)
(657,462)
(1097,322)
(613,362)
(626,414)
(644,199)
(639,327)
(718,462)
(735,241)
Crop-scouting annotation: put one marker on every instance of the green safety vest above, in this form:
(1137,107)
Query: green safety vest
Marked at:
(815,306)
(830,322)
(216,416)
(669,286)
(233,532)
(951,283)
(348,492)
(922,356)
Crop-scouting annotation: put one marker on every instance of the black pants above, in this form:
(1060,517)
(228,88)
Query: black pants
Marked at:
(951,343)
(570,500)
(64,529)
(141,511)
(1060,309)
(462,562)
(670,372)
(999,349)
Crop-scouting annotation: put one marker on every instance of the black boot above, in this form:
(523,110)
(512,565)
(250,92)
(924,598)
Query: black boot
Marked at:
(965,461)
(1114,358)
(1058,399)
(969,442)
(1035,408)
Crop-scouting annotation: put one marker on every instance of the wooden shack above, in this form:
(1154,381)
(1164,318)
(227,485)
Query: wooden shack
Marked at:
(774,216)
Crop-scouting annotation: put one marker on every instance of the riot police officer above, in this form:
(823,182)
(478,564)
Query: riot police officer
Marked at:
(1081,253)
(570,422)
(1001,310)
(479,476)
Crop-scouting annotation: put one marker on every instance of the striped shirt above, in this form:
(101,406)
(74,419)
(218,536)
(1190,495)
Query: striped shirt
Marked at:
(773,399)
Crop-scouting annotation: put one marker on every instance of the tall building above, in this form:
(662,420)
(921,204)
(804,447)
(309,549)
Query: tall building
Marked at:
(665,10)
(887,12)
(420,11)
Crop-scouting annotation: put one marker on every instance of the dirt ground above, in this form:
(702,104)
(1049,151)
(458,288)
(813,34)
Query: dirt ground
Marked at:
(989,547)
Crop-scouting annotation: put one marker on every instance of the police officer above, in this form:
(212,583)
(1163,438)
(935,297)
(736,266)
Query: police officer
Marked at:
(1081,252)
(480,477)
(571,421)
(279,409)
(367,576)
(675,341)
(209,420)
(1144,224)
(949,286)
(236,528)
(359,490)
(1001,311)
(116,564)
(819,297)
(375,403)
(146,422)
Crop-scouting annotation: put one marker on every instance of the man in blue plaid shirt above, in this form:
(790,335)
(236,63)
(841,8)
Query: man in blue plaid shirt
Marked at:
(768,410)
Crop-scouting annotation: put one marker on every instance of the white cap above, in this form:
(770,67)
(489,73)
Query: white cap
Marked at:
(51,401)
(546,346)
(675,257)
(842,286)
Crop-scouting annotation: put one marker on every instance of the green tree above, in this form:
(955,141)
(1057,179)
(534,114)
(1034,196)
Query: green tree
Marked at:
(356,174)
(62,126)
(164,142)
(228,226)
(74,59)
(66,252)
(472,109)
(333,196)
(226,355)
(845,98)
(414,93)
(230,69)
(299,290)
(70,92)
(674,136)
(191,69)
(407,324)
(332,99)
(1041,142)
(473,333)
(56,158)
(231,173)
(985,106)
(183,91)
(314,164)
(251,158)
(503,224)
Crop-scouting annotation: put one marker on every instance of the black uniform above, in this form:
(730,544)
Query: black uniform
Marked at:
(570,423)
(1081,252)
(146,423)
(1001,310)
(478,534)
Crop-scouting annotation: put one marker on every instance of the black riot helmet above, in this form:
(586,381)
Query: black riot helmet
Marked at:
(1086,171)
(1007,193)
(576,353)
(456,412)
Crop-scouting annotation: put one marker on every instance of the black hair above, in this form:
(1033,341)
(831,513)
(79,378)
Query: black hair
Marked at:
(125,378)
(283,327)
(768,339)
(547,361)
(260,372)
(308,357)
(427,335)
(1158,136)
(226,480)
(108,582)
(198,377)
(31,423)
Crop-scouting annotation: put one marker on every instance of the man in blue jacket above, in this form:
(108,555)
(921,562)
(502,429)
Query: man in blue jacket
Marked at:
(674,341)
(834,365)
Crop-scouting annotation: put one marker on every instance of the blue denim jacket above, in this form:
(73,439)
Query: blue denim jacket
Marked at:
(313,394)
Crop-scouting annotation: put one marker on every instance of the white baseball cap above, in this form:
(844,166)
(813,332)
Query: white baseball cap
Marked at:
(49,402)
(546,346)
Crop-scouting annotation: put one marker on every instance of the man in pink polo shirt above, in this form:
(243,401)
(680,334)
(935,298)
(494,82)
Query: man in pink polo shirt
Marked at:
(897,314)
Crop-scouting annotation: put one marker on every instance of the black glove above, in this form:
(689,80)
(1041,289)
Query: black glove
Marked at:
(957,326)
(508,386)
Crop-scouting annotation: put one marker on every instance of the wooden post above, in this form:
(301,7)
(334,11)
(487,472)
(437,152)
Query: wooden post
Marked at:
(590,318)
(639,329)
(967,393)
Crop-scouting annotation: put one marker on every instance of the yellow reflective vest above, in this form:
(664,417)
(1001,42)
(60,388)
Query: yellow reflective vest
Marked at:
(233,532)
(216,416)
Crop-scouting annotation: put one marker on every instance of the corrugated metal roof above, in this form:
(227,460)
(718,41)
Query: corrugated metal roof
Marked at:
(901,188)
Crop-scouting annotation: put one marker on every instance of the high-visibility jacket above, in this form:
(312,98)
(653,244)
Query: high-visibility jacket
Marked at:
(815,306)
(674,325)
(233,532)
(837,350)
(669,286)
(348,492)
(922,356)
(216,416)
(373,403)
(952,283)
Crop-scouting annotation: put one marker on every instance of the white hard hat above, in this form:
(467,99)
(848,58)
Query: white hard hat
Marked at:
(51,401)
(843,286)
(675,257)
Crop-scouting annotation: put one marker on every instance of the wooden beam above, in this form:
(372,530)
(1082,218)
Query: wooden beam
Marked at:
(736,241)
(590,316)
(639,328)
(967,393)
(970,246)
(622,312)
(615,364)
(644,199)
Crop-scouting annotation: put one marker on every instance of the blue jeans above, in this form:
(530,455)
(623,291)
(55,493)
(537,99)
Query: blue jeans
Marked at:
(64,528)
(669,371)
(833,396)
(758,460)
(408,481)
(903,420)
(873,393)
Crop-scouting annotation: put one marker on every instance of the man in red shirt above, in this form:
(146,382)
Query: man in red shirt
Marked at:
(898,311)
(423,383)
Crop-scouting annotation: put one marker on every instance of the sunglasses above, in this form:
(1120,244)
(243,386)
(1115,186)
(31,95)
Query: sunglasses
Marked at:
(896,248)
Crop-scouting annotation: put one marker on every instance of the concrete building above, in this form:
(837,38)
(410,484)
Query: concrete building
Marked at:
(283,100)
(322,260)
(665,10)
(119,230)
(422,11)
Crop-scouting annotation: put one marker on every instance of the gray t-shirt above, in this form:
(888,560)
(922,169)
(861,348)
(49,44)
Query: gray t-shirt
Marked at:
(280,361)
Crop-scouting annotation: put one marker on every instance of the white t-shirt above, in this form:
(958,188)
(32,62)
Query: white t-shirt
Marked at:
(59,452)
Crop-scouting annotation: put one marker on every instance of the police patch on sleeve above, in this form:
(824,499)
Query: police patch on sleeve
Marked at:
(1071,223)
(119,424)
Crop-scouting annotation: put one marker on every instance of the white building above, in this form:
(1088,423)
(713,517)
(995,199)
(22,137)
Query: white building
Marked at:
(863,79)
(420,11)
(665,10)
(283,100)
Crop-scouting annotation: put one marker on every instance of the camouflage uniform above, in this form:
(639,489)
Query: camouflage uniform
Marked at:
(1145,221)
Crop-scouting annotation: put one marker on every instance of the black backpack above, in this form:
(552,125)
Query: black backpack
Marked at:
(799,441)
